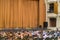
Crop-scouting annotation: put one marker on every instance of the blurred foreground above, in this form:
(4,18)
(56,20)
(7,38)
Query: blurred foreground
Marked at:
(30,35)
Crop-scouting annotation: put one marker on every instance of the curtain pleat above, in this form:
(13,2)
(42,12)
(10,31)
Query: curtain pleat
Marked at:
(18,14)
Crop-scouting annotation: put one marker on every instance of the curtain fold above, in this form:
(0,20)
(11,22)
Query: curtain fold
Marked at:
(18,14)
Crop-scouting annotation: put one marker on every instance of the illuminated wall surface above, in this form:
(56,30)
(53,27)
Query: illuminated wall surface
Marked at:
(21,13)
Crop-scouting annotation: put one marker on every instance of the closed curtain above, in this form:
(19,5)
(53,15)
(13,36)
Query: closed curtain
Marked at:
(18,13)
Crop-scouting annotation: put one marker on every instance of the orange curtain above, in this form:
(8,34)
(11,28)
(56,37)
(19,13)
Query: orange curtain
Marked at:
(42,11)
(55,7)
(18,13)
